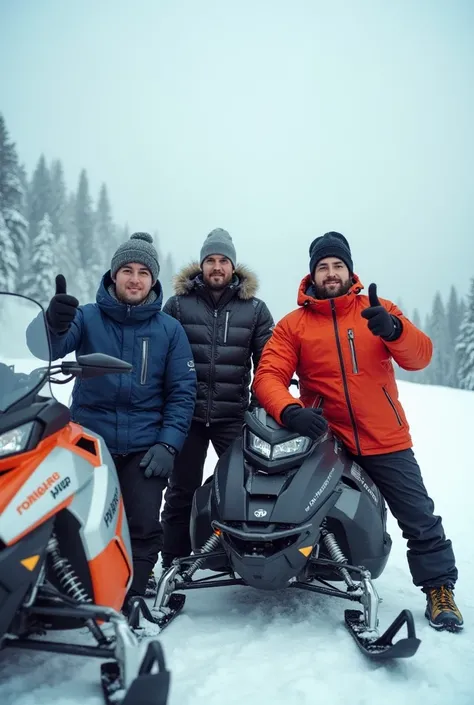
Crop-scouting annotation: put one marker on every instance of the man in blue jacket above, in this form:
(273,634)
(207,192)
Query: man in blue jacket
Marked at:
(143,417)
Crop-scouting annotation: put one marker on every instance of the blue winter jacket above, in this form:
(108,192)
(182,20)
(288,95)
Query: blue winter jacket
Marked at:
(154,403)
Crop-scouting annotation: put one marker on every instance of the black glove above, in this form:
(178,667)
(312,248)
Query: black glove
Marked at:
(62,308)
(380,321)
(158,461)
(307,422)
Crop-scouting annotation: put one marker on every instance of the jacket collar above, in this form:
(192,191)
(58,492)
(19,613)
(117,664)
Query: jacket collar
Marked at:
(307,297)
(244,284)
(125,313)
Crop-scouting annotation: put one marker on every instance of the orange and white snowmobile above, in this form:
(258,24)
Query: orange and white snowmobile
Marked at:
(65,553)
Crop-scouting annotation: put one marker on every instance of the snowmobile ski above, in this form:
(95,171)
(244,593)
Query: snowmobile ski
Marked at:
(147,689)
(382,648)
(139,607)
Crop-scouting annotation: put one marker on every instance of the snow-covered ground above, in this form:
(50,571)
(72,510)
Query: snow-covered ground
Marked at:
(232,646)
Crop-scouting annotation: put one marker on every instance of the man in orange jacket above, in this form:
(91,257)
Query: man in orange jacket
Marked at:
(341,344)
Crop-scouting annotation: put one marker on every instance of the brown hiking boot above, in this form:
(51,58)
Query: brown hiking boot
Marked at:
(441,610)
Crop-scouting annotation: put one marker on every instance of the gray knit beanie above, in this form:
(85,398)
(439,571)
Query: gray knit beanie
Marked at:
(138,249)
(218,242)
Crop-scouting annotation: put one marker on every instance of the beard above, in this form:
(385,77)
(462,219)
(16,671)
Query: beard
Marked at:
(126,297)
(217,284)
(332,288)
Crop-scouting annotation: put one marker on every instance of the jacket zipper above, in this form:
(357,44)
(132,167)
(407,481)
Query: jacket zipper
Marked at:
(320,401)
(344,379)
(226,328)
(390,401)
(350,335)
(211,368)
(144,361)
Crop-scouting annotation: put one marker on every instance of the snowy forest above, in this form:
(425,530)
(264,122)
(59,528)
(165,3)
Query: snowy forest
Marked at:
(450,325)
(45,230)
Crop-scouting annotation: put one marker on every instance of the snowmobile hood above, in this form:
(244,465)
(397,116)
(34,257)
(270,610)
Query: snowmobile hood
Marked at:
(123,313)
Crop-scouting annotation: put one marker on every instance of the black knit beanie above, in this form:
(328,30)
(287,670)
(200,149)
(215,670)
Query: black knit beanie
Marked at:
(330,244)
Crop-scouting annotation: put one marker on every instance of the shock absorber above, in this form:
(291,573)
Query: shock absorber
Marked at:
(71,584)
(211,544)
(337,555)
(66,574)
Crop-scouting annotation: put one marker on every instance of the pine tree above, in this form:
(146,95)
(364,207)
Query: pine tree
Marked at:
(465,345)
(41,284)
(417,376)
(417,319)
(166,277)
(84,220)
(90,259)
(105,232)
(8,258)
(69,261)
(39,197)
(12,197)
(438,370)
(454,320)
(23,176)
(66,256)
(399,303)
(58,212)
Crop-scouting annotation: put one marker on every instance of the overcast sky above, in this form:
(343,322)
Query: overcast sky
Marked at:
(276,120)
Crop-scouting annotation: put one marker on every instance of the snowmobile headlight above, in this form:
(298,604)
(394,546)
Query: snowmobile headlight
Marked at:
(259,446)
(16,440)
(280,450)
(293,447)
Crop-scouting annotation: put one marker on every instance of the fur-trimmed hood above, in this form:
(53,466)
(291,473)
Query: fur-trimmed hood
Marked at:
(245,280)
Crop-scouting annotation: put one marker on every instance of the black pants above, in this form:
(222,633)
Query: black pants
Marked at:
(185,479)
(430,554)
(142,498)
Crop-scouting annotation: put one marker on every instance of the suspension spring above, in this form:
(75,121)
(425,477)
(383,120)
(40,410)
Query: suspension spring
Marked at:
(72,585)
(65,573)
(337,555)
(211,544)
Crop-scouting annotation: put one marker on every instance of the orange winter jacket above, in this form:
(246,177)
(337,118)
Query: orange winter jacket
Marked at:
(343,368)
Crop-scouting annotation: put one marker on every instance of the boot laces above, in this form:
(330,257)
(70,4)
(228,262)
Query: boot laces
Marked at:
(442,598)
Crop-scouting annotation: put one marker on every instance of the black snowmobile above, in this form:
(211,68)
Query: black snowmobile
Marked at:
(284,511)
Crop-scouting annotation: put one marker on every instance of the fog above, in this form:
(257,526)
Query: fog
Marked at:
(275,120)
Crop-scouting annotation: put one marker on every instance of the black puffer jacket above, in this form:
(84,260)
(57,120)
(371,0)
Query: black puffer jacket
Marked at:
(225,338)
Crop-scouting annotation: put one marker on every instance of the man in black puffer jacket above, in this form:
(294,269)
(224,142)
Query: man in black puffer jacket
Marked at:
(227,328)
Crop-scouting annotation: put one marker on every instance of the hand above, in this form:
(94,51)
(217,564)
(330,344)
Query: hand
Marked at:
(62,308)
(158,461)
(380,321)
(305,421)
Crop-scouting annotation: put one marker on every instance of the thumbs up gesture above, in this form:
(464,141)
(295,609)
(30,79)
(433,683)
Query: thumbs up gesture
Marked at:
(62,308)
(380,321)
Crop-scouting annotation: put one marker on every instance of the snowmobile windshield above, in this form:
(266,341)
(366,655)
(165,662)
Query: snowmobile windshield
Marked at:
(25,356)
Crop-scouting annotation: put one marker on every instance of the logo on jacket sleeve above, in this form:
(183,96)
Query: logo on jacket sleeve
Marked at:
(191,365)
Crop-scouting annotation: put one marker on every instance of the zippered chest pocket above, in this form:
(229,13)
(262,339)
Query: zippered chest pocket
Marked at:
(145,346)
(352,347)
(226,326)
